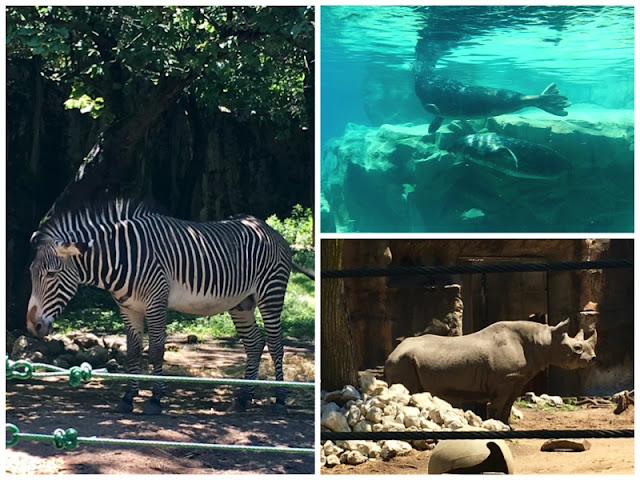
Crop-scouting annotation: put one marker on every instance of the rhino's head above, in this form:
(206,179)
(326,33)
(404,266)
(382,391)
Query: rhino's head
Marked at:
(572,352)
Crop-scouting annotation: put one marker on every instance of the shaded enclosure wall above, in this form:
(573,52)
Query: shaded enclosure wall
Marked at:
(383,311)
(196,163)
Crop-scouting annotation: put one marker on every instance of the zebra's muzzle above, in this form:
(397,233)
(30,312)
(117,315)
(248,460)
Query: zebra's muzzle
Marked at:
(37,325)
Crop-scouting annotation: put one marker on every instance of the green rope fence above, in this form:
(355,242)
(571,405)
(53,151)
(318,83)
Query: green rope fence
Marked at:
(24,370)
(69,439)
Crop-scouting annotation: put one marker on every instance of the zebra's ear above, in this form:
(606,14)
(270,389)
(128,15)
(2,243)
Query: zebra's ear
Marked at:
(71,249)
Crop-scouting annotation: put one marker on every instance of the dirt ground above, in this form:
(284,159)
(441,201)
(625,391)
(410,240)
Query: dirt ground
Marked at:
(606,456)
(192,413)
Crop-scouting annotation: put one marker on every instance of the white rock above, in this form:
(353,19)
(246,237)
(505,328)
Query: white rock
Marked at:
(516,414)
(330,448)
(411,411)
(392,426)
(391,409)
(472,419)
(412,421)
(494,425)
(355,458)
(334,421)
(453,421)
(423,444)
(422,400)
(332,461)
(377,427)
(553,400)
(374,415)
(363,446)
(353,415)
(426,424)
(394,448)
(371,385)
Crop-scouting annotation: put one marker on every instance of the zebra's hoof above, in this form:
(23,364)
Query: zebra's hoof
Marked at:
(279,408)
(124,407)
(152,408)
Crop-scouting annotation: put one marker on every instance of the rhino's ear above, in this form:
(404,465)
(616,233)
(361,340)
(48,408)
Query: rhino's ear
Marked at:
(593,339)
(72,249)
(580,335)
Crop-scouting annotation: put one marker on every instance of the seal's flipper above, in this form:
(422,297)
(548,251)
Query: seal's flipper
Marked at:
(508,160)
(435,124)
(552,102)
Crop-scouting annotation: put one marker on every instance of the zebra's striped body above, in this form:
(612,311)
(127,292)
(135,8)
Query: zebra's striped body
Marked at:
(150,263)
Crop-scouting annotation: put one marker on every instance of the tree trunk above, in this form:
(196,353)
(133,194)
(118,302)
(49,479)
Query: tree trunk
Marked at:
(337,365)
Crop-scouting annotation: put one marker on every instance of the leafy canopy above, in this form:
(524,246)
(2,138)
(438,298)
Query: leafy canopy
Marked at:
(245,60)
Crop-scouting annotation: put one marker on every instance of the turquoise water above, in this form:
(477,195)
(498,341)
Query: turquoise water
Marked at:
(367,80)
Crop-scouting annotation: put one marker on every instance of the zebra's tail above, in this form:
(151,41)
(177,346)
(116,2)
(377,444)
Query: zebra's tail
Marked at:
(305,271)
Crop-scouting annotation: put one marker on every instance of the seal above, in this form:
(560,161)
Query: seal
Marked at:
(511,156)
(448,98)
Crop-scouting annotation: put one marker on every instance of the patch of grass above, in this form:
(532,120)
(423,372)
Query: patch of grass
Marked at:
(568,406)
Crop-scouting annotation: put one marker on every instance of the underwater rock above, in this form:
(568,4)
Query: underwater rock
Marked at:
(400,178)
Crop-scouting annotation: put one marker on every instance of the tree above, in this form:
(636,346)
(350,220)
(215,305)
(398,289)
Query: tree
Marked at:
(337,365)
(128,65)
(207,109)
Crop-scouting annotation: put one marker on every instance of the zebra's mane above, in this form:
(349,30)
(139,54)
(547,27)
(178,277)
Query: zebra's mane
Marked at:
(63,224)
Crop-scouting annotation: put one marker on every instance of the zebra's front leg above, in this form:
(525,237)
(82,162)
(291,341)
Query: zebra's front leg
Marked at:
(157,325)
(134,323)
(253,341)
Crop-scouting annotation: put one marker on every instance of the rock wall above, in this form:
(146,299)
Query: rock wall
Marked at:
(400,178)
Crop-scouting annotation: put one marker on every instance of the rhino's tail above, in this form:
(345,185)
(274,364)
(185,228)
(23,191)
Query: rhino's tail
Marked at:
(550,101)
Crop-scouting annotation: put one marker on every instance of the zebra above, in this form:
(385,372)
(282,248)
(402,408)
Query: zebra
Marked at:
(151,263)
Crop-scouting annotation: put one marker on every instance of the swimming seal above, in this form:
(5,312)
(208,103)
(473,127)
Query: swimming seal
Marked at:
(511,156)
(448,98)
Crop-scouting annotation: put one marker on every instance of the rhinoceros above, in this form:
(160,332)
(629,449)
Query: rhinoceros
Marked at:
(491,365)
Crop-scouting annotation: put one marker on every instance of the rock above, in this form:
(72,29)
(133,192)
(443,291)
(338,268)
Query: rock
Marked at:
(363,426)
(332,396)
(112,366)
(423,445)
(411,411)
(422,400)
(330,448)
(366,448)
(332,461)
(331,407)
(354,458)
(472,419)
(574,445)
(394,448)
(37,357)
(374,415)
(19,348)
(349,393)
(353,415)
(371,385)
(334,421)
(516,414)
(61,362)
(494,425)
(98,356)
(554,401)
(53,348)
(86,340)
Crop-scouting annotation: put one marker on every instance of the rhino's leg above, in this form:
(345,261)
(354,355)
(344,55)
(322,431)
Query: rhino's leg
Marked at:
(500,407)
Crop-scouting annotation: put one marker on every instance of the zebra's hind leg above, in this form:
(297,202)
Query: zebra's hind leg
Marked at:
(271,310)
(253,341)
(157,325)
(134,322)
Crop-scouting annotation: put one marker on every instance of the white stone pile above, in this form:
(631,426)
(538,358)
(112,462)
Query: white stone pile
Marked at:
(379,407)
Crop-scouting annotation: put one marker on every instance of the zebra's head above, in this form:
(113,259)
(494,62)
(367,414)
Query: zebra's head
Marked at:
(54,280)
